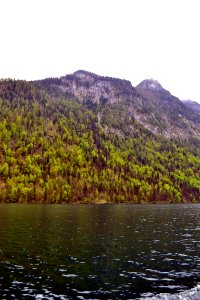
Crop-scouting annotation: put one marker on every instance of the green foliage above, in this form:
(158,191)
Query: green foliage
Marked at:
(53,150)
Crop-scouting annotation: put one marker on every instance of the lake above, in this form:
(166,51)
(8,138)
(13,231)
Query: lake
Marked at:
(99,251)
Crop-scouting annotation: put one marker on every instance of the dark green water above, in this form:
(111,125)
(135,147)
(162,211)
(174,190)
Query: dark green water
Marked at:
(98,252)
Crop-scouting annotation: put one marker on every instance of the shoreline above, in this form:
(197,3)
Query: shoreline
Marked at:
(100,203)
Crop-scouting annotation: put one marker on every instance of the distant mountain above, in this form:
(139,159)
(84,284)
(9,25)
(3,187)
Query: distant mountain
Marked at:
(192,105)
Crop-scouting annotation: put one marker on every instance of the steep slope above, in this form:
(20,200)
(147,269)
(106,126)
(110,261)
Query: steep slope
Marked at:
(192,105)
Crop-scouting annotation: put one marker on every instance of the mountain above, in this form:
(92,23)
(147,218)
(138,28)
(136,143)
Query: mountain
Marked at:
(84,138)
(193,105)
(149,104)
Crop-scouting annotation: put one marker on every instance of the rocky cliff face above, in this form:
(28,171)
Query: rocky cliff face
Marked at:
(88,86)
(147,104)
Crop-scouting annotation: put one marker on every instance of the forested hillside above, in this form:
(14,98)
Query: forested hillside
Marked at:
(57,149)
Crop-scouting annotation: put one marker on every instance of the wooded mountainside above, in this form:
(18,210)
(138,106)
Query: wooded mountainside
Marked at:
(56,147)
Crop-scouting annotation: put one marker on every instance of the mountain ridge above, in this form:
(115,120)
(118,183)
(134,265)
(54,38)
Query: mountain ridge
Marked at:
(148,103)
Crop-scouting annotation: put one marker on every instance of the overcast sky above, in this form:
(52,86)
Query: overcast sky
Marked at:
(128,39)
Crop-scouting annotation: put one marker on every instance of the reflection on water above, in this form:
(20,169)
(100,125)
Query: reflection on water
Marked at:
(99,252)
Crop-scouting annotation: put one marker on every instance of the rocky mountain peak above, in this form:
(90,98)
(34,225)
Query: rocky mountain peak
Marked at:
(150,84)
(85,76)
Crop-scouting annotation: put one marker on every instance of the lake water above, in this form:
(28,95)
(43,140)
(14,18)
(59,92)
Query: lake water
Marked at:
(99,252)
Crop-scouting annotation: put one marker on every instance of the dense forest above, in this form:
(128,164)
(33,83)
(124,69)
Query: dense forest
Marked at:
(53,149)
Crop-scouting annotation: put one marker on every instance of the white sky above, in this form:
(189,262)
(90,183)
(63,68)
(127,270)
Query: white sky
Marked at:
(128,39)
